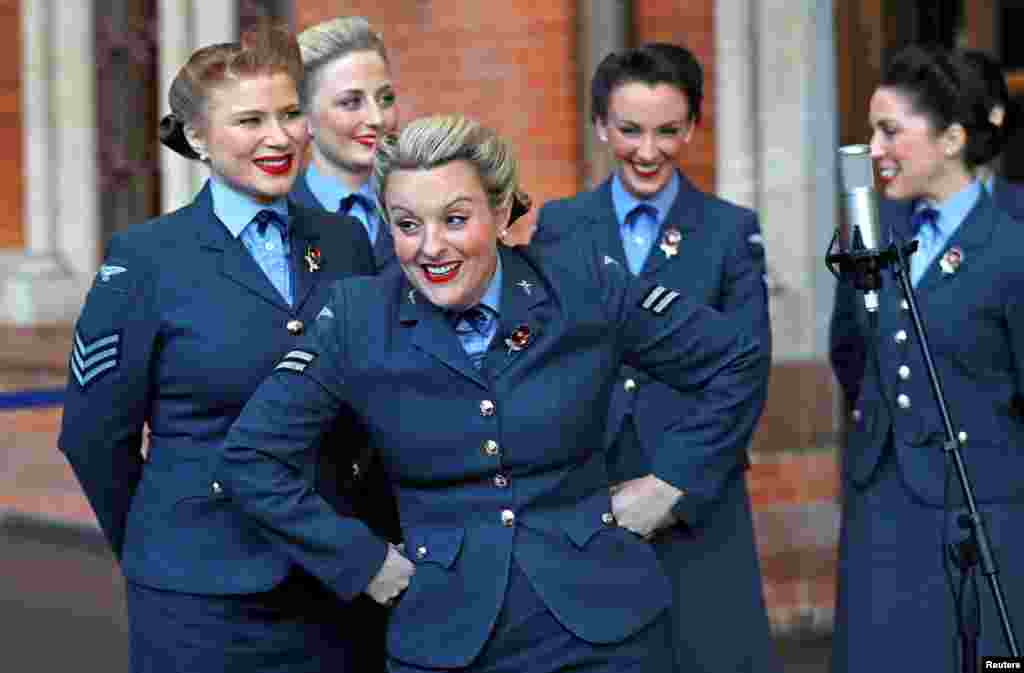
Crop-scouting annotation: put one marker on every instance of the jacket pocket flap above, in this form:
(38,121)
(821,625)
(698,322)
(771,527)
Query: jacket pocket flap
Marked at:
(589,516)
(434,545)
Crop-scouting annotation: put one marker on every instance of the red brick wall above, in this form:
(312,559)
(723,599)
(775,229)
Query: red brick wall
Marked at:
(510,65)
(11,235)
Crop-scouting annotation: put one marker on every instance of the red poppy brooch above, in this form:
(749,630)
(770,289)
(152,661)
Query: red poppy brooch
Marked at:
(312,257)
(519,339)
(952,260)
(670,242)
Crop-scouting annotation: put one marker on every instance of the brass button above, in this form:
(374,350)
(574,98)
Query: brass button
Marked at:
(508,517)
(857,415)
(355,468)
(608,519)
(962,437)
(904,305)
(421,552)
(216,488)
(904,372)
(294,327)
(486,408)
(903,401)
(501,481)
(629,385)
(490,447)
(901,336)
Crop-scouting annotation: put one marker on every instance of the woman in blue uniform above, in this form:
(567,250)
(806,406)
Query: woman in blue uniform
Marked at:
(650,218)
(351,108)
(900,590)
(188,313)
(477,371)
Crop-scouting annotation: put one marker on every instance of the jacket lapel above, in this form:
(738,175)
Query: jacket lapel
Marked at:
(523,320)
(235,262)
(972,234)
(685,215)
(304,242)
(600,218)
(434,334)
(384,247)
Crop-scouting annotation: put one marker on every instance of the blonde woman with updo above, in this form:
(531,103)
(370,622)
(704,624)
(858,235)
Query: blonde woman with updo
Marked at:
(188,313)
(482,373)
(350,99)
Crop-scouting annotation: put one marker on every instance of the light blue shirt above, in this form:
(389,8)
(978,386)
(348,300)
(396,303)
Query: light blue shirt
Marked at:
(952,212)
(272,248)
(472,341)
(638,239)
(329,192)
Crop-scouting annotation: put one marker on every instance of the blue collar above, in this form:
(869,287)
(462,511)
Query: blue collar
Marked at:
(329,192)
(624,202)
(236,210)
(492,297)
(953,211)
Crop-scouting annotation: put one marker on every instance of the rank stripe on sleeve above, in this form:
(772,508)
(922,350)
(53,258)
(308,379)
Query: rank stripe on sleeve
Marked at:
(91,359)
(658,299)
(296,361)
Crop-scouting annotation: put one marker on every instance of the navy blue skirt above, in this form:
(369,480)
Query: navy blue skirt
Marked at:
(895,609)
(296,627)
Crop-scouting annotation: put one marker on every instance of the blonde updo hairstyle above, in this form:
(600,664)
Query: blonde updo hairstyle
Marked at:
(264,50)
(429,142)
(326,42)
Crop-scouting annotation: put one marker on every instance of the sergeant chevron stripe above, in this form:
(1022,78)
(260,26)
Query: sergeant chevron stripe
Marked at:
(659,299)
(90,360)
(296,361)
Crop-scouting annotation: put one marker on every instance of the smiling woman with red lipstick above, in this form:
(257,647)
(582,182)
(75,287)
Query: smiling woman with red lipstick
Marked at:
(650,218)
(477,371)
(188,313)
(349,98)
(909,598)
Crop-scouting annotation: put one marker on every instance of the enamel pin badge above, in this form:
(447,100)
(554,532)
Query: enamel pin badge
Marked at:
(519,339)
(313,259)
(670,242)
(951,260)
(526,285)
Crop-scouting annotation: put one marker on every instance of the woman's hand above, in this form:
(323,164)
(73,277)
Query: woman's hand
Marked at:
(392,578)
(644,505)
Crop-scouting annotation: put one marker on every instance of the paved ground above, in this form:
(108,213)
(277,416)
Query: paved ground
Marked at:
(61,604)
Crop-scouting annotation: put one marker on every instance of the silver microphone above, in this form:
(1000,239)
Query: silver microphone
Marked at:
(861,241)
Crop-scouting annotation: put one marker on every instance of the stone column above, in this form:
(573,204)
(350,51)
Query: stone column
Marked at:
(602,28)
(735,91)
(46,283)
(186,25)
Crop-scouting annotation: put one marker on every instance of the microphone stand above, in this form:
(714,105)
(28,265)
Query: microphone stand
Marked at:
(975,522)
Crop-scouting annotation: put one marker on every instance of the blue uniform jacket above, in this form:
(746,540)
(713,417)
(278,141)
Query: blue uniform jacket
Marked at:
(178,330)
(383,248)
(973,314)
(720,263)
(1009,197)
(491,465)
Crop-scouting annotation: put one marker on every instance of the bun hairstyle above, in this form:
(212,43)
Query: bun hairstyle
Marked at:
(948,89)
(652,64)
(264,50)
(991,71)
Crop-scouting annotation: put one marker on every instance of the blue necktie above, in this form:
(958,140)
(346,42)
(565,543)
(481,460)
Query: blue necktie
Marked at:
(267,217)
(636,253)
(473,327)
(924,226)
(349,202)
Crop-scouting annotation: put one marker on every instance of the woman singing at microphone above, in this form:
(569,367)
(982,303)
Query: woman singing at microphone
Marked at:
(904,601)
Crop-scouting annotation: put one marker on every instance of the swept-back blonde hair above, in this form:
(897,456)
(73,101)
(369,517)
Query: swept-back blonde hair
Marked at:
(429,142)
(328,41)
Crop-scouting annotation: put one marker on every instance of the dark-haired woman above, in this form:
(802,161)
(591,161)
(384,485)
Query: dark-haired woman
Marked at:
(900,590)
(652,220)
(188,313)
